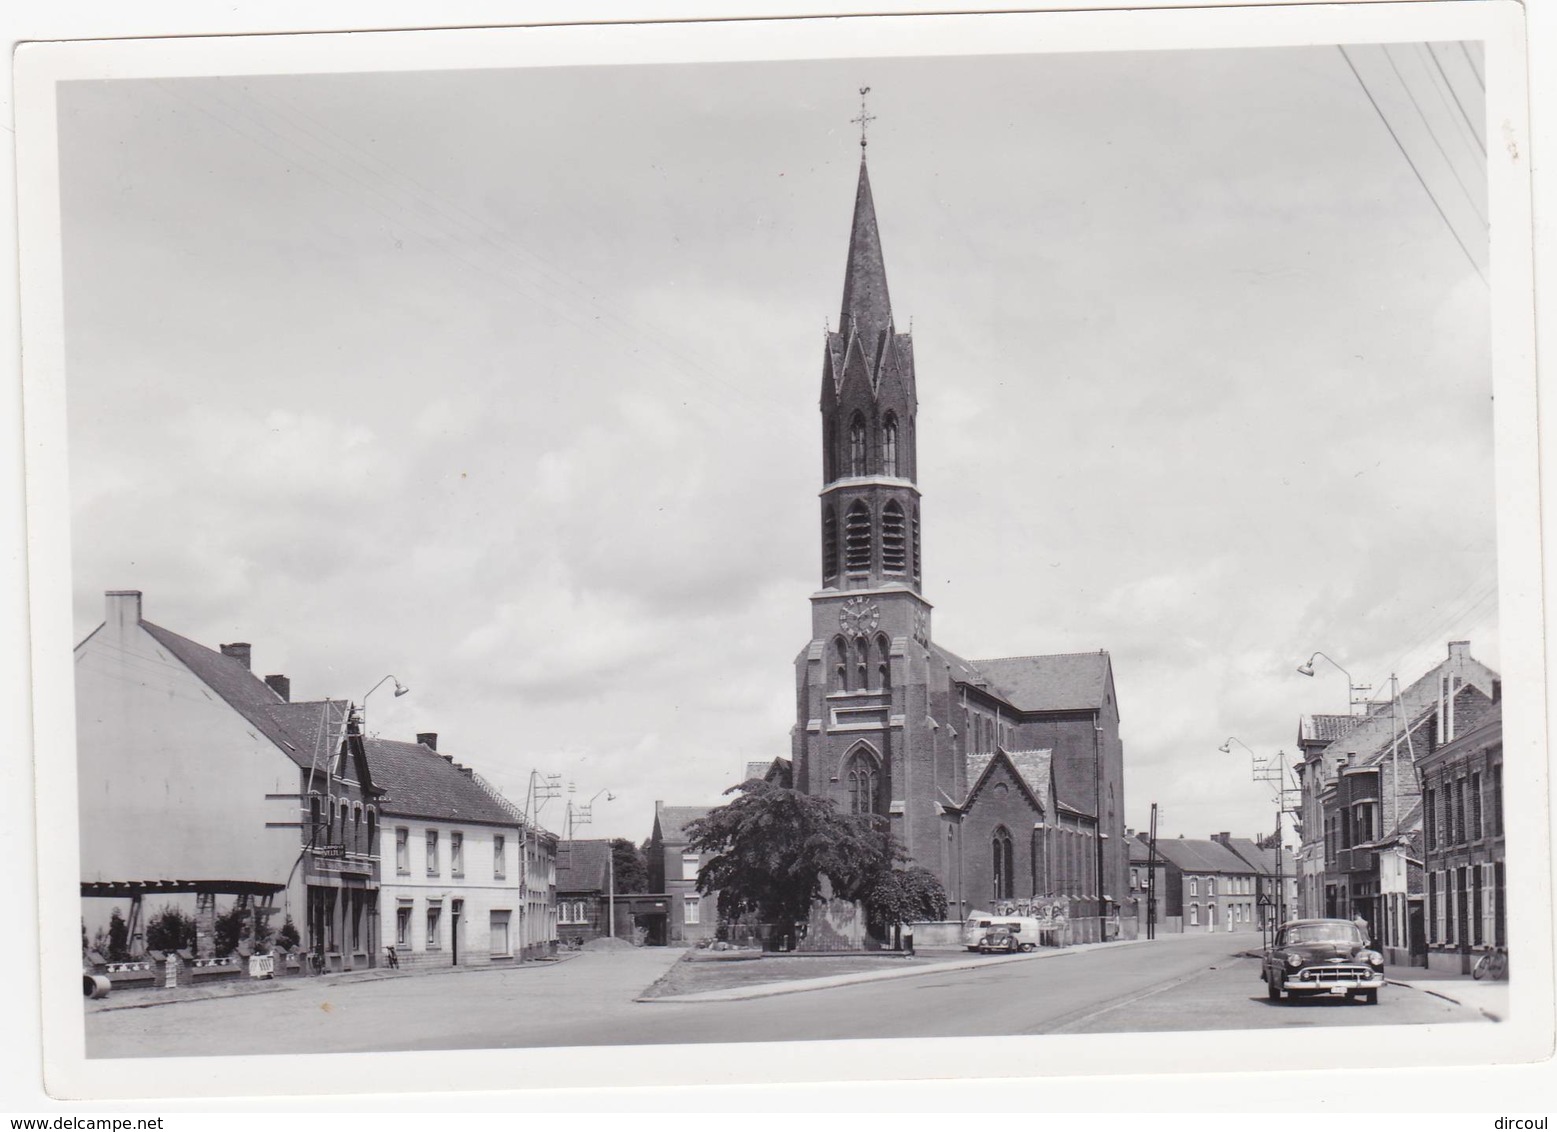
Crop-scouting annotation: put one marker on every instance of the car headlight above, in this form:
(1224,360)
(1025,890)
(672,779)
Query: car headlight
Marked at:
(1294,961)
(1372,958)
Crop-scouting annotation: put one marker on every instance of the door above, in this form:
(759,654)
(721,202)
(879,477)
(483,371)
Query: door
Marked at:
(1417,920)
(454,930)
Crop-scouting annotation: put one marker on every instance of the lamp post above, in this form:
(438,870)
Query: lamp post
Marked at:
(584,815)
(1265,771)
(1352,689)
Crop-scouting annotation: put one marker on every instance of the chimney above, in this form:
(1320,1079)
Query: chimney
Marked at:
(428,739)
(239,651)
(281,686)
(123,609)
(1222,838)
(1459,650)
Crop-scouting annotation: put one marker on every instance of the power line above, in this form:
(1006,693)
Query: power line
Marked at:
(1433,134)
(1420,180)
(1481,146)
(1469,59)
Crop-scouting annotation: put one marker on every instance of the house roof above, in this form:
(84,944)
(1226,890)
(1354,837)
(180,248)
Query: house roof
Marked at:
(307,732)
(756,770)
(673,820)
(1194,856)
(1325,728)
(421,783)
(1263,860)
(583,866)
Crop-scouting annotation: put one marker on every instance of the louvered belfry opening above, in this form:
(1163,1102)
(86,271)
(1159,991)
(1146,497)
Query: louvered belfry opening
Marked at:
(894,542)
(856,539)
(829,545)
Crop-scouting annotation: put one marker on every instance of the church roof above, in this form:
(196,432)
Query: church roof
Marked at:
(1033,767)
(1057,682)
(422,783)
(673,820)
(867,309)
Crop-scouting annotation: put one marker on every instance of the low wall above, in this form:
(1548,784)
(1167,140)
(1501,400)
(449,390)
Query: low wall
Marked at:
(935,933)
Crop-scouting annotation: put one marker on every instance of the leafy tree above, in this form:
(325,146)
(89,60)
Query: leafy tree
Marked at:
(632,869)
(170,929)
(230,927)
(776,851)
(900,896)
(118,938)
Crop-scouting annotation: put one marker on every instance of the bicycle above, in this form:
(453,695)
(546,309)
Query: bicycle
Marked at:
(1492,965)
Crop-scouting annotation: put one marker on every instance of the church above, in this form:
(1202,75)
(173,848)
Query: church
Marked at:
(1004,777)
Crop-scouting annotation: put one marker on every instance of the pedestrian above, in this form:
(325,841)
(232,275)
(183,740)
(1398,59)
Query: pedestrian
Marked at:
(1361,924)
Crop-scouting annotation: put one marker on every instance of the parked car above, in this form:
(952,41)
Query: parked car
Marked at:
(1322,957)
(1002,938)
(981,924)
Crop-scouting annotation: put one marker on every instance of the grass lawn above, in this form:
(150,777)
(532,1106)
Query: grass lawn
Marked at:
(687,977)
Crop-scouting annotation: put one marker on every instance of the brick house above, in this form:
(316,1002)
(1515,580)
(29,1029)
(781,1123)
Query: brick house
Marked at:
(452,882)
(1208,887)
(203,782)
(584,892)
(689,915)
(1143,863)
(1463,841)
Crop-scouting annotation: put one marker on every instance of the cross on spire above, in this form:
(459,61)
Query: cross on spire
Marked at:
(864,119)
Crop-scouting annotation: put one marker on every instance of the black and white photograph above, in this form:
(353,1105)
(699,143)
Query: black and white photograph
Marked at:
(930,528)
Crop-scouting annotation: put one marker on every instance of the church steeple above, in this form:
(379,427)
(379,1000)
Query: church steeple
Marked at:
(870,505)
(867,307)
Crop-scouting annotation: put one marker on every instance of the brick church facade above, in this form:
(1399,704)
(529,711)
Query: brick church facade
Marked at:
(1004,777)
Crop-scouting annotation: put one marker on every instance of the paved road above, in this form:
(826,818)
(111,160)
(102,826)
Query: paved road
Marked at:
(1175,983)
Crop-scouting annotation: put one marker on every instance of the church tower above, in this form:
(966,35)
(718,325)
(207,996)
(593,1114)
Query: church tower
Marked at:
(861,735)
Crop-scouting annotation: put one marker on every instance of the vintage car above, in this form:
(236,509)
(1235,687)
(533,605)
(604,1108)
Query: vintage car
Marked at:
(1322,957)
(1004,938)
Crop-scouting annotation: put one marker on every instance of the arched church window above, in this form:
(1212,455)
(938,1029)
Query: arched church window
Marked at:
(840,665)
(864,781)
(883,659)
(856,538)
(829,543)
(862,663)
(1035,862)
(1003,860)
(894,551)
(857,445)
(830,452)
(889,446)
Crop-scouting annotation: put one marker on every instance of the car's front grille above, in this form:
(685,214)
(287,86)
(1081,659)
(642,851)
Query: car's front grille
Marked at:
(1336,973)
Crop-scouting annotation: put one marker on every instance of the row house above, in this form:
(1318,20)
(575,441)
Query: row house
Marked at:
(689,915)
(1462,835)
(1205,886)
(1362,807)
(455,896)
(200,782)
(584,892)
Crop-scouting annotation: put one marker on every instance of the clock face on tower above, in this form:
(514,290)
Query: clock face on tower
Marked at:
(858,616)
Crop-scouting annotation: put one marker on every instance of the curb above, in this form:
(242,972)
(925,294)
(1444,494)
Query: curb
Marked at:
(828,982)
(1482,1010)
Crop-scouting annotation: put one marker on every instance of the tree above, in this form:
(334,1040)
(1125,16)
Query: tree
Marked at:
(287,936)
(170,929)
(230,926)
(776,851)
(902,896)
(632,870)
(118,938)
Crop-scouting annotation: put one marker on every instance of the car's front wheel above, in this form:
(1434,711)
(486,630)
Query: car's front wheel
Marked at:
(1371,997)
(1272,991)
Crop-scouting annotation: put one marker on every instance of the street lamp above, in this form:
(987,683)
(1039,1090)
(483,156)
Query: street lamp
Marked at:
(584,815)
(1353,701)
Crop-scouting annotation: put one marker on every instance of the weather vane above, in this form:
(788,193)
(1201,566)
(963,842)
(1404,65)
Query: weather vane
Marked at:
(864,119)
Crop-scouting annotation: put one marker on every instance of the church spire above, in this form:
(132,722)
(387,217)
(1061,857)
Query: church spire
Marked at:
(867,308)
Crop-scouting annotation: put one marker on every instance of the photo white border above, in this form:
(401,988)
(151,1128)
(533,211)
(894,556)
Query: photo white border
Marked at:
(1497,23)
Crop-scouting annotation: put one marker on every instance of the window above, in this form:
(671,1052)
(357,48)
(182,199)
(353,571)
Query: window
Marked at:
(372,833)
(856,538)
(857,445)
(692,909)
(403,851)
(862,663)
(1135,878)
(864,783)
(1194,915)
(345,819)
(840,664)
(1210,886)
(1429,824)
(1194,886)
(1003,861)
(457,853)
(884,655)
(1459,810)
(432,852)
(434,914)
(1475,807)
(889,446)
(499,856)
(689,863)
(356,829)
(403,925)
(830,543)
(498,934)
(1497,800)
(894,544)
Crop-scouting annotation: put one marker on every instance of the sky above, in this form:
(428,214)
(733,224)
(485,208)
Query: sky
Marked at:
(505,382)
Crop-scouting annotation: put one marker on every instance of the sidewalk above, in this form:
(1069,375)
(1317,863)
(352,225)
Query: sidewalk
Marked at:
(1488,996)
(139,998)
(969,963)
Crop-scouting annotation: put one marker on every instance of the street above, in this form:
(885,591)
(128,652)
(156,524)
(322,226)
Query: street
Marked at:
(1193,982)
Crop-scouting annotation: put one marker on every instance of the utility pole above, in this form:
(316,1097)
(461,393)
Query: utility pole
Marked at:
(1151,878)
(611,899)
